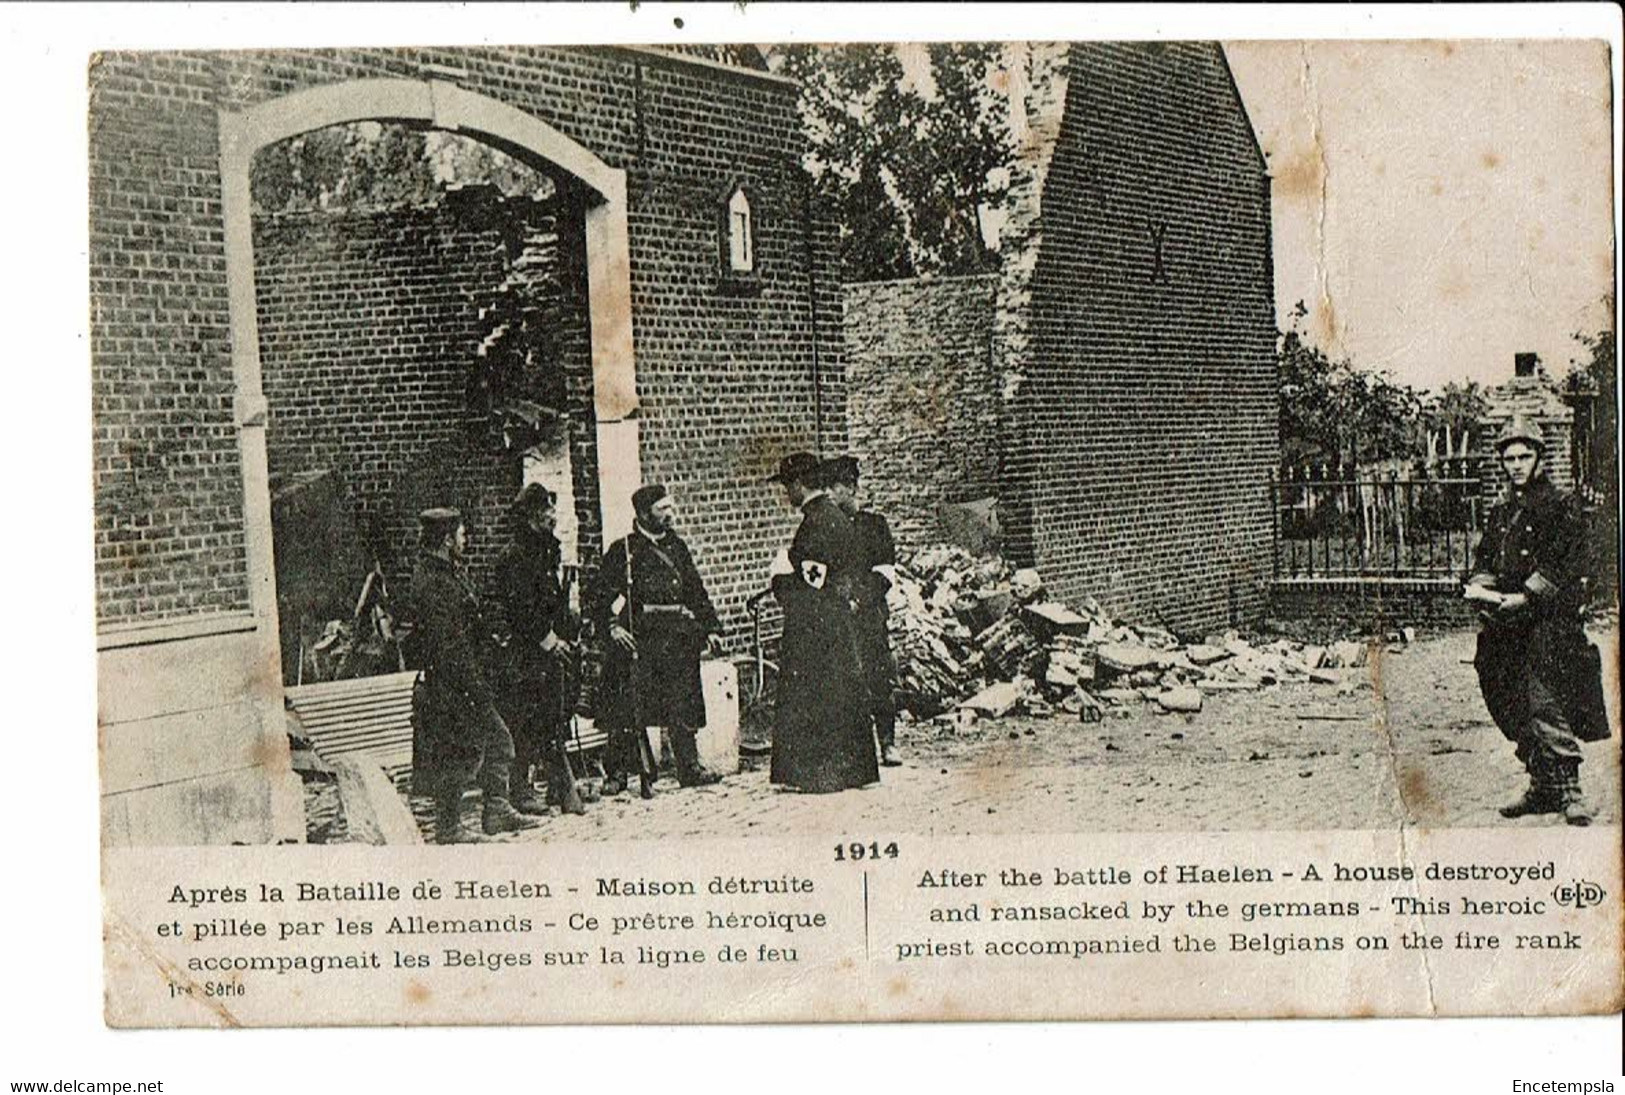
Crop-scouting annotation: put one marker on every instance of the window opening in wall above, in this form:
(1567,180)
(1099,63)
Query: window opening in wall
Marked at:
(741,247)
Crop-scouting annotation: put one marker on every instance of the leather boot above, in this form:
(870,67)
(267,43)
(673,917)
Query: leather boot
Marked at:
(690,772)
(527,801)
(499,815)
(1539,798)
(448,821)
(1571,800)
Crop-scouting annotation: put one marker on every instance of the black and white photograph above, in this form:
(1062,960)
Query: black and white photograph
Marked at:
(656,442)
(750,521)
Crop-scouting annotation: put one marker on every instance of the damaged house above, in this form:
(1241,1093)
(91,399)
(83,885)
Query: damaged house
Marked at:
(1105,404)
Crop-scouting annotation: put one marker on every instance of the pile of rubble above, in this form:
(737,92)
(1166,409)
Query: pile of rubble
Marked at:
(972,636)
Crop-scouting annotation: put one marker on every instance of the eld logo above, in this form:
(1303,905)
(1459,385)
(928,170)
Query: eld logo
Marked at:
(1579,893)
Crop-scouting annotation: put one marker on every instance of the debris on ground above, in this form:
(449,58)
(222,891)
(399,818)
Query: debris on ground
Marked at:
(975,639)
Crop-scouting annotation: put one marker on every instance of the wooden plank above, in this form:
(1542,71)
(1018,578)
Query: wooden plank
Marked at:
(374,812)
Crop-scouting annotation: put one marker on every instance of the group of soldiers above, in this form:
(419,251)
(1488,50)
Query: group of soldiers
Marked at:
(492,706)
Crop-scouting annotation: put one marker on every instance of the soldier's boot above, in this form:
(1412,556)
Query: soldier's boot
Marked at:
(1538,798)
(448,821)
(561,783)
(1571,800)
(524,797)
(499,815)
(690,772)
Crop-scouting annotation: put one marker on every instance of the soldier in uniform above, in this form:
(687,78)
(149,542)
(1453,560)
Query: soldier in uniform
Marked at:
(877,556)
(822,736)
(458,736)
(651,608)
(540,697)
(1539,674)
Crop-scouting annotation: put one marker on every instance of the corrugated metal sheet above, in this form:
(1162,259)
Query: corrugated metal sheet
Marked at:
(372,716)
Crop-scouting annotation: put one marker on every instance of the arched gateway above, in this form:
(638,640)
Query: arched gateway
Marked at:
(191,721)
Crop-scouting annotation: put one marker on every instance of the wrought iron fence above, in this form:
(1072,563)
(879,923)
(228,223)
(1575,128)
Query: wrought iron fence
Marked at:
(1365,522)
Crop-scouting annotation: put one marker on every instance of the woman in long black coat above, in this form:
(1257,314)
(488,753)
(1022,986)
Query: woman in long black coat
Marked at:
(822,740)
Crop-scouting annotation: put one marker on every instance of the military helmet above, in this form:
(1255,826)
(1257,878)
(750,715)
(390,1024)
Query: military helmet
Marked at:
(1522,429)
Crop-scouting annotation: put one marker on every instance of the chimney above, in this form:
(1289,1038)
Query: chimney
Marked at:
(1525,364)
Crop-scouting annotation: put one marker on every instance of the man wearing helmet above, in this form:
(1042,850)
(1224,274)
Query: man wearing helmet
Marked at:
(1536,669)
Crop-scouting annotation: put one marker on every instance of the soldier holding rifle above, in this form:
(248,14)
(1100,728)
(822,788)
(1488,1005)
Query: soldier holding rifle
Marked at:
(540,699)
(650,606)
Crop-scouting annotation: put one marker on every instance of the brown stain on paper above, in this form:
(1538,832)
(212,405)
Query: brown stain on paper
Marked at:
(1302,175)
(417,993)
(1414,789)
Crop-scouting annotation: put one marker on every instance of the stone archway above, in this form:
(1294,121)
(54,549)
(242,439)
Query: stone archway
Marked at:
(445,106)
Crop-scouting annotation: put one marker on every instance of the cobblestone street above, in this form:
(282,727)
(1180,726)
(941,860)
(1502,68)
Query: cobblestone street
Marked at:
(1291,757)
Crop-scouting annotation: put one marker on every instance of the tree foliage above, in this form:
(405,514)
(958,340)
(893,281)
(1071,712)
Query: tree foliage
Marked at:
(1336,413)
(370,165)
(911,160)
(1598,377)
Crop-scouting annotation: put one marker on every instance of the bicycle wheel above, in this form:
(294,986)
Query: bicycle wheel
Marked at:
(756,706)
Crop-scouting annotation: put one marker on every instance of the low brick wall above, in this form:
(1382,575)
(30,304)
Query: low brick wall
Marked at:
(1359,605)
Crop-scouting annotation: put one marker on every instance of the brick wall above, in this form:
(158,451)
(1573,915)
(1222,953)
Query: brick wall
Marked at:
(925,397)
(1140,418)
(729,378)
(369,329)
(1537,398)
(169,519)
(1340,608)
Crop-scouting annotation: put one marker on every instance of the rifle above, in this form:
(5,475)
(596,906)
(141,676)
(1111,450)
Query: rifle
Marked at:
(646,758)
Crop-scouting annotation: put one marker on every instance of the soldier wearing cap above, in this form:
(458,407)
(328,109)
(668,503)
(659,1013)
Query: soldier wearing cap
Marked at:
(1538,673)
(877,555)
(650,607)
(458,736)
(822,736)
(540,696)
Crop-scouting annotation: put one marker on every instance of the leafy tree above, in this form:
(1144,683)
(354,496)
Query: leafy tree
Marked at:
(1335,413)
(1457,412)
(911,164)
(1597,378)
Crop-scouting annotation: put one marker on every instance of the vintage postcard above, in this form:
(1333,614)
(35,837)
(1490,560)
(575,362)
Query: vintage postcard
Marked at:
(791,532)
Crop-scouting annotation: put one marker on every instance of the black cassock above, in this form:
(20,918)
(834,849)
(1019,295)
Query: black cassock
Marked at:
(875,548)
(822,739)
(669,614)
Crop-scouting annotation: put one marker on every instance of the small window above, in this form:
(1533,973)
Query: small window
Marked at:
(741,245)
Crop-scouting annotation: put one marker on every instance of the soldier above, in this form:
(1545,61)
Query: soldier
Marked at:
(877,556)
(458,735)
(651,608)
(822,736)
(541,656)
(1538,673)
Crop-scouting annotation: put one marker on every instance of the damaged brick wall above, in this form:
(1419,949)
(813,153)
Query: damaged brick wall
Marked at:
(1140,423)
(729,376)
(924,397)
(369,330)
